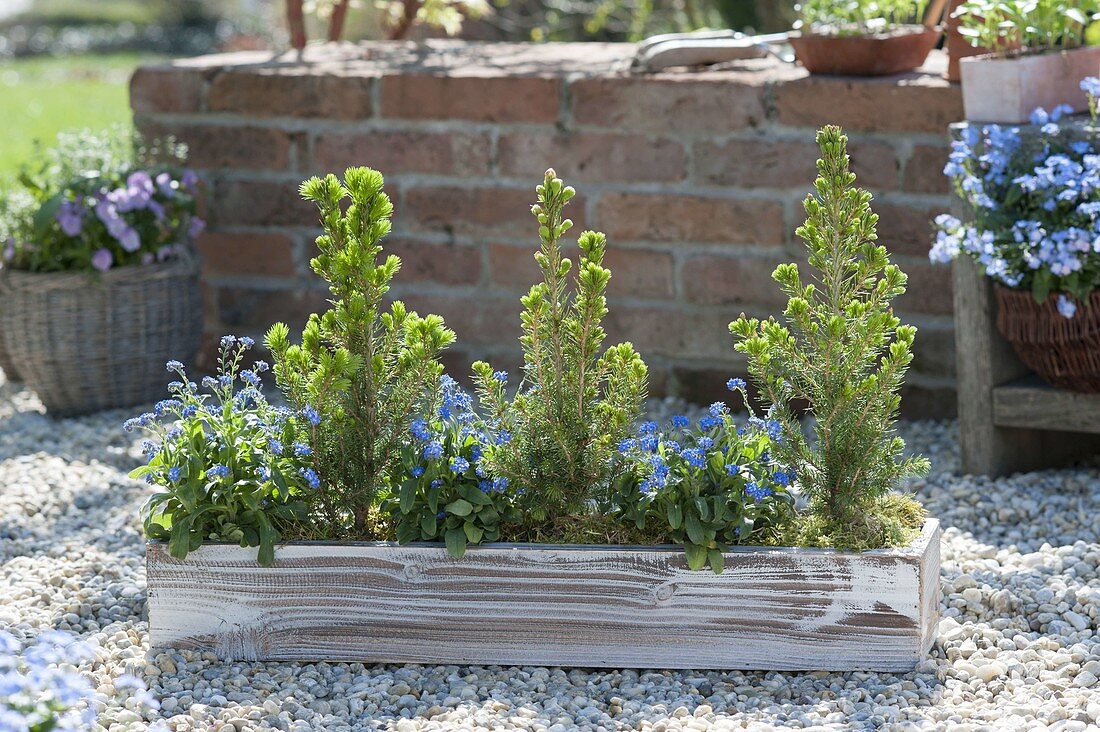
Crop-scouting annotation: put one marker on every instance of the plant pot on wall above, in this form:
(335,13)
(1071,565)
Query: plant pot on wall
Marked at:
(87,341)
(893,52)
(1064,352)
(956,44)
(1007,90)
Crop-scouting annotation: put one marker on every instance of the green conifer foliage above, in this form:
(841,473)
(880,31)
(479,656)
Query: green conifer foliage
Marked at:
(844,352)
(361,372)
(575,403)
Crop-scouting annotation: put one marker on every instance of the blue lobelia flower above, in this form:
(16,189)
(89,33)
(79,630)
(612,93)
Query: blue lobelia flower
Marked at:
(311,477)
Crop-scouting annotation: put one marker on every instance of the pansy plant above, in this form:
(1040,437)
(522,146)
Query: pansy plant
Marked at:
(446,494)
(1034,219)
(706,486)
(227,460)
(96,202)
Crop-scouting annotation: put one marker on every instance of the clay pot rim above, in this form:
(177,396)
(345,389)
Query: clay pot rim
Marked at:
(1023,55)
(898,31)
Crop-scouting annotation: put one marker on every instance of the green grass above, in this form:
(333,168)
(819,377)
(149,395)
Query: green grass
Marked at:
(43,96)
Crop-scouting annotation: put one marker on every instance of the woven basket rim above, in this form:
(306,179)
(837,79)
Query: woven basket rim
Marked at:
(12,280)
(1021,294)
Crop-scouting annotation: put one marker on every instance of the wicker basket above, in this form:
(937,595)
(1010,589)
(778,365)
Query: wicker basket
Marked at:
(1065,352)
(86,342)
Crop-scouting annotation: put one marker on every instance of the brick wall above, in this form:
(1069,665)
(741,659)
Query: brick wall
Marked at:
(696,177)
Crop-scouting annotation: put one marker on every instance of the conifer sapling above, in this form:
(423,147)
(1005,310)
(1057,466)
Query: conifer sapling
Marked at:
(844,352)
(576,404)
(361,372)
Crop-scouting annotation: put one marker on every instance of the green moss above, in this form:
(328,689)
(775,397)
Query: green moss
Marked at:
(893,520)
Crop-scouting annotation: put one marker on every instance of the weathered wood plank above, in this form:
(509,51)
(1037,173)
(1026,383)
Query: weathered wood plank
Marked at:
(548,605)
(1030,402)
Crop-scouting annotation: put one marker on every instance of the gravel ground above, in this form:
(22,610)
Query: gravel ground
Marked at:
(1018,645)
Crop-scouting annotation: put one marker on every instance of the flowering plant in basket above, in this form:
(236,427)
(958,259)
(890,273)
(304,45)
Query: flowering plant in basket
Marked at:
(96,201)
(1034,205)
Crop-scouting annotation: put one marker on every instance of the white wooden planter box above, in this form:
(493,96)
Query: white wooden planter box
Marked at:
(1007,90)
(552,605)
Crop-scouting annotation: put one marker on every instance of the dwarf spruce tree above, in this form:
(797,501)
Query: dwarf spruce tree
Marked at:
(361,372)
(576,403)
(845,353)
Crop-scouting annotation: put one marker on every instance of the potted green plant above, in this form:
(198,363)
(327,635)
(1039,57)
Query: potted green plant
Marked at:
(1032,200)
(1042,51)
(398,520)
(865,37)
(99,284)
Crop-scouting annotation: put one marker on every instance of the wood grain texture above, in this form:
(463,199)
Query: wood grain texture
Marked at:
(547,605)
(1033,403)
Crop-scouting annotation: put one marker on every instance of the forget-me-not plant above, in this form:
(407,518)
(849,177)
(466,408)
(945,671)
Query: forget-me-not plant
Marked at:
(1034,202)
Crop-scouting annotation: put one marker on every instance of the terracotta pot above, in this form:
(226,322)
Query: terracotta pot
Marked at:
(875,55)
(957,46)
(1064,352)
(1007,90)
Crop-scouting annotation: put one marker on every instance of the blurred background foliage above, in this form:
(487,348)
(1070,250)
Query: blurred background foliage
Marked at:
(65,63)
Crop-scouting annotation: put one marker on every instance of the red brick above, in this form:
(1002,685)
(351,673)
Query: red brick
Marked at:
(670,104)
(476,319)
(929,289)
(906,228)
(911,103)
(447,264)
(247,254)
(634,272)
(166,89)
(787,163)
(476,98)
(292,92)
(241,147)
(669,218)
(591,156)
(478,211)
(673,332)
(745,280)
(445,153)
(924,170)
(250,307)
(260,203)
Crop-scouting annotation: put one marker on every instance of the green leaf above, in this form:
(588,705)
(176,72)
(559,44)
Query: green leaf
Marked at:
(675,516)
(459,507)
(429,525)
(179,541)
(407,495)
(702,507)
(717,560)
(1041,285)
(408,530)
(694,529)
(456,542)
(474,495)
(268,537)
(696,556)
(473,532)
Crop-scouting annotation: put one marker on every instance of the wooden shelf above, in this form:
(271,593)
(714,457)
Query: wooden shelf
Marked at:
(1030,403)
